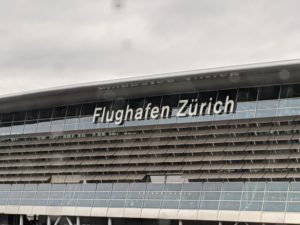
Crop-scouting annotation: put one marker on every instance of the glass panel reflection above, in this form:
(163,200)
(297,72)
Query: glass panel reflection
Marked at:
(251,206)
(134,203)
(283,103)
(274,206)
(229,205)
(168,204)
(254,198)
(293,207)
(189,205)
(289,112)
(268,104)
(213,205)
(265,113)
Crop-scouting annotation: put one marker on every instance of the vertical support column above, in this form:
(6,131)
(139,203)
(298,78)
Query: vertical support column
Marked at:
(57,220)
(21,220)
(109,221)
(48,220)
(69,221)
(77,220)
(220,223)
(180,222)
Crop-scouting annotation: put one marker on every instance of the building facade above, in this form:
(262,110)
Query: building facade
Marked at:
(217,146)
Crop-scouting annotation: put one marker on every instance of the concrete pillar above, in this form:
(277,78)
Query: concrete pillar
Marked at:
(180,222)
(57,221)
(69,221)
(220,223)
(48,220)
(109,221)
(77,220)
(21,220)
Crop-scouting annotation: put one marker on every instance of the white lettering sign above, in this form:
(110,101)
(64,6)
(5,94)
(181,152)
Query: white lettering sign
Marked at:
(186,107)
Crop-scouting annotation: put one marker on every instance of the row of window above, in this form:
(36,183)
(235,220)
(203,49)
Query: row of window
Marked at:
(165,195)
(249,196)
(167,204)
(240,95)
(193,186)
(62,125)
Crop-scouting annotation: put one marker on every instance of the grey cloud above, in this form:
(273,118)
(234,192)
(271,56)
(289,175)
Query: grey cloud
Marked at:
(58,42)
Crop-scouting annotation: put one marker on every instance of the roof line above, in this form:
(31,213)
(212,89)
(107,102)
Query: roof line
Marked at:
(158,76)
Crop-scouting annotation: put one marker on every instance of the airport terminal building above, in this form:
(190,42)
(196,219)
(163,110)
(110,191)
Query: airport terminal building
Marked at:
(216,146)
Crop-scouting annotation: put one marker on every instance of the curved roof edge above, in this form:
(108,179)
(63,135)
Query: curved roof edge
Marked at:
(278,72)
(159,76)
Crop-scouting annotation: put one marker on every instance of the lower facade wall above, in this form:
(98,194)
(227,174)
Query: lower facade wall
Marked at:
(158,214)
(42,220)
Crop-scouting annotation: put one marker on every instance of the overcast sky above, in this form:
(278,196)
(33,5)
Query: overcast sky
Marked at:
(45,43)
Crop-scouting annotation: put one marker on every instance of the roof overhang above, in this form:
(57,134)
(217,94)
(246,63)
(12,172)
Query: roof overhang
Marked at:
(281,72)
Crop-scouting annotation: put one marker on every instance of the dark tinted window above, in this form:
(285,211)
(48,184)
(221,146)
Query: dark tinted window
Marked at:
(205,96)
(59,112)
(73,110)
(6,117)
(136,103)
(105,104)
(290,91)
(32,115)
(88,109)
(189,96)
(247,94)
(154,100)
(266,93)
(170,100)
(223,94)
(18,116)
(119,104)
(45,113)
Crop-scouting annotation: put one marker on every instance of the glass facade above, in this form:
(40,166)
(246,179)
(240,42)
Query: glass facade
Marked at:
(251,103)
(237,196)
